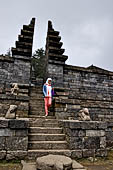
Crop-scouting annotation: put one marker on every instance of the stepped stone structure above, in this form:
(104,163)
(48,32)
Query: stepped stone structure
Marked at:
(30,134)
(54,56)
(16,69)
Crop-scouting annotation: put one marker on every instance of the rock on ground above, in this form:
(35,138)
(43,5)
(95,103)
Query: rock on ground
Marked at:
(57,162)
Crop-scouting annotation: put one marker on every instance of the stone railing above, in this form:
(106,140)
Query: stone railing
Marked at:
(85,138)
(21,100)
(13,138)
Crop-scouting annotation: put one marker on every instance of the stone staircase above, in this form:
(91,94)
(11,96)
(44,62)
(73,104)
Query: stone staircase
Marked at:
(36,102)
(45,136)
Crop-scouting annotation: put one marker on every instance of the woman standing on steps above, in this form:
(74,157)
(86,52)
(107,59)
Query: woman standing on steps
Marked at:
(48,92)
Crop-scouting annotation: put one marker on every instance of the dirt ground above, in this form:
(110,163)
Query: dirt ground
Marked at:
(99,163)
(10,166)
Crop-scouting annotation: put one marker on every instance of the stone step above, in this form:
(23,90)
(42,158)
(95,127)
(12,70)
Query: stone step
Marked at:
(35,95)
(47,145)
(46,137)
(41,117)
(47,130)
(42,120)
(44,125)
(36,105)
(36,89)
(36,109)
(33,154)
(35,101)
(39,112)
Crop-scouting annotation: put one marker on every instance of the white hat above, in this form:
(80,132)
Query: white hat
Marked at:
(49,79)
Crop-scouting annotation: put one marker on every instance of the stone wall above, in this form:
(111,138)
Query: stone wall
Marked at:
(92,88)
(85,88)
(13,138)
(85,139)
(78,87)
(17,69)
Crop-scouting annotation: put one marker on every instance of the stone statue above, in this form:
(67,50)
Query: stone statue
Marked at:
(15,89)
(11,113)
(84,115)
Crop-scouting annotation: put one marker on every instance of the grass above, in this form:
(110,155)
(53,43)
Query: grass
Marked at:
(7,162)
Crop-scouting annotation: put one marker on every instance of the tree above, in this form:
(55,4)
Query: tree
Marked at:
(38,63)
(8,52)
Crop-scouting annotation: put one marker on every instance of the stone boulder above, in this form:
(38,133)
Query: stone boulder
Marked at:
(11,113)
(84,115)
(54,162)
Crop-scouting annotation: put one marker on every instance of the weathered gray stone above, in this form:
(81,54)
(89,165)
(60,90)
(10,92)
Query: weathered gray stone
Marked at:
(2,154)
(75,143)
(11,113)
(22,132)
(18,154)
(76,165)
(19,124)
(88,125)
(6,132)
(109,138)
(3,123)
(91,143)
(101,152)
(75,132)
(101,125)
(88,153)
(2,143)
(76,154)
(102,142)
(16,143)
(56,162)
(95,133)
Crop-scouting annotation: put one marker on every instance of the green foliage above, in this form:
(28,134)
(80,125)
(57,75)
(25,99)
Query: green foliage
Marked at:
(8,52)
(38,63)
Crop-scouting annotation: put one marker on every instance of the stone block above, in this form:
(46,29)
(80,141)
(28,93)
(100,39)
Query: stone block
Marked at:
(75,143)
(101,152)
(19,124)
(2,154)
(91,143)
(19,154)
(2,143)
(101,125)
(73,124)
(3,123)
(16,143)
(21,133)
(88,152)
(76,154)
(109,124)
(6,132)
(103,142)
(23,106)
(95,133)
(88,125)
(109,138)
(76,165)
(75,132)
(22,114)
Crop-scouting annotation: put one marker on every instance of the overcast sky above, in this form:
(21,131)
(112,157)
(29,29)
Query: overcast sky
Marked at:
(86,27)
